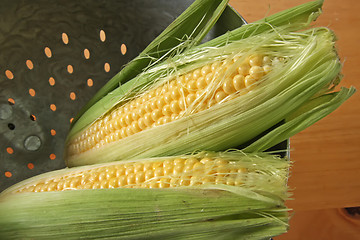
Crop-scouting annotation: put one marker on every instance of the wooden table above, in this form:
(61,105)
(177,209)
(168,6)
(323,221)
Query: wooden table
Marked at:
(326,171)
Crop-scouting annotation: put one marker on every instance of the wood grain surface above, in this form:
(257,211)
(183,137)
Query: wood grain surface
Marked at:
(326,171)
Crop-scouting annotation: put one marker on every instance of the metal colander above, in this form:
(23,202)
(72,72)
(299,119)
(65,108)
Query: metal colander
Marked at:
(54,56)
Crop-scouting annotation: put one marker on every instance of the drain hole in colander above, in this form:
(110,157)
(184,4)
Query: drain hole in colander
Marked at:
(11,101)
(11,126)
(32,117)
(9,74)
(32,143)
(29,64)
(123,49)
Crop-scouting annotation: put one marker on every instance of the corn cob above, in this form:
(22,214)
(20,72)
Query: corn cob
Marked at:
(210,98)
(204,195)
(232,169)
(187,94)
(194,23)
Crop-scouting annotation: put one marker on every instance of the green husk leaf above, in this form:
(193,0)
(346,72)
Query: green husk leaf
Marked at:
(308,114)
(190,28)
(311,66)
(293,19)
(215,213)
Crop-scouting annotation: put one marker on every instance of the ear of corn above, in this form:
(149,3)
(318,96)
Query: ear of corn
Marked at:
(188,29)
(246,202)
(259,172)
(172,39)
(171,108)
(295,18)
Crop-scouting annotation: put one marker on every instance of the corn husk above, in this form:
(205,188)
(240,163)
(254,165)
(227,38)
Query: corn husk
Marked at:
(254,210)
(310,67)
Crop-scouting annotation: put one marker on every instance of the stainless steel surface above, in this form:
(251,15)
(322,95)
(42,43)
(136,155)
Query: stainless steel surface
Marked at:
(54,55)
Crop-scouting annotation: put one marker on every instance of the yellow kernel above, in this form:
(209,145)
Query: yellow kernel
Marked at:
(256,72)
(208,179)
(135,127)
(52,186)
(201,83)
(174,182)
(220,95)
(158,172)
(196,73)
(147,107)
(167,97)
(205,160)
(255,60)
(113,183)
(243,69)
(147,166)
(165,119)
(141,123)
(104,184)
(249,81)
(205,70)
(198,166)
(188,77)
(239,82)
(182,104)
(166,110)
(160,102)
(184,181)
(96,185)
(191,86)
(190,98)
(154,184)
(228,86)
(120,171)
(102,176)
(156,114)
(209,78)
(191,161)
(215,66)
(180,80)
(168,170)
(148,119)
(140,177)
(174,106)
(149,174)
(175,94)
(138,167)
(164,183)
(195,180)
(123,132)
(129,168)
(131,178)
(122,181)
(267,69)
(129,130)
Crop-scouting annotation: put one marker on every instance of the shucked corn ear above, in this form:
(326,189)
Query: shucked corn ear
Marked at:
(210,98)
(193,24)
(227,195)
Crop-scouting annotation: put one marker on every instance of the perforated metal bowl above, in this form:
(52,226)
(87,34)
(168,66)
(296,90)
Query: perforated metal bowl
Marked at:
(54,56)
